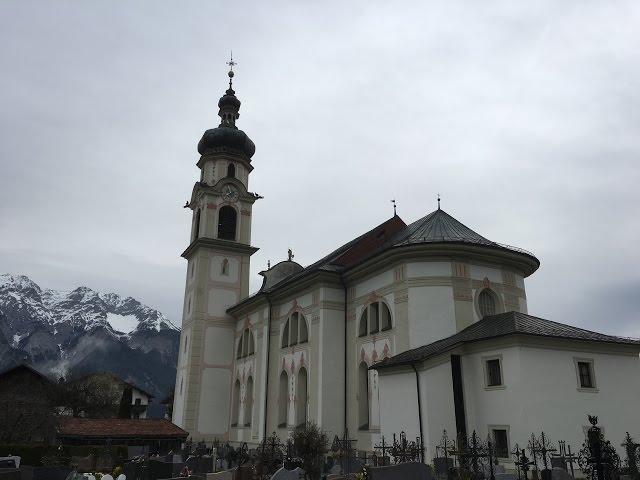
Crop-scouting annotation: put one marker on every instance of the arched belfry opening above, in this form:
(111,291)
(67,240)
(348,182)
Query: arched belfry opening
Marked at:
(231,170)
(227,219)
(196,231)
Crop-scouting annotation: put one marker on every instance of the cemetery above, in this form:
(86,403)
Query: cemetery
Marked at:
(309,454)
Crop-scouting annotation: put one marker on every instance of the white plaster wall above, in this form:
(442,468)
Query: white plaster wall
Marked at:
(215,269)
(218,345)
(437,405)
(429,269)
(523,305)
(374,283)
(431,314)
(541,392)
(479,272)
(333,294)
(219,299)
(519,281)
(214,410)
(398,405)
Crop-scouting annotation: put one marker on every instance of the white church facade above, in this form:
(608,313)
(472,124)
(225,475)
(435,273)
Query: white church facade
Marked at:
(416,327)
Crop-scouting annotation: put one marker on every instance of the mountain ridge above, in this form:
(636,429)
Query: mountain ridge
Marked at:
(84,331)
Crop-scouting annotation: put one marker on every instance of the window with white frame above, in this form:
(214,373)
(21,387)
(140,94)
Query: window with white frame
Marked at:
(500,441)
(376,317)
(493,372)
(585,373)
(295,330)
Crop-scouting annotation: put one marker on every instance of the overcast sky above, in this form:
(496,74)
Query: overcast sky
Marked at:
(524,116)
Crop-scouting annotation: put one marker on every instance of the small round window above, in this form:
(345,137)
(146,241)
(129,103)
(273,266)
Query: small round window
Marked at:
(487,303)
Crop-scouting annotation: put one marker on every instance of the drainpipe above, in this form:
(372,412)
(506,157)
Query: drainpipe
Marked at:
(344,288)
(419,411)
(266,373)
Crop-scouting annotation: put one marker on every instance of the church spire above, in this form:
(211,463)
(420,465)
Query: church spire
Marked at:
(229,104)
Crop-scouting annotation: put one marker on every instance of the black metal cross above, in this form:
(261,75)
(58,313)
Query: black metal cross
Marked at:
(344,448)
(545,449)
(523,463)
(384,448)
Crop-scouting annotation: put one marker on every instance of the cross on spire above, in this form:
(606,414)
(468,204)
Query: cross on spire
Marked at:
(438,201)
(231,64)
(394,206)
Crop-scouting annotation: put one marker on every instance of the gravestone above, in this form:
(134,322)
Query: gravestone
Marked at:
(560,474)
(107,477)
(284,474)
(442,466)
(559,462)
(404,471)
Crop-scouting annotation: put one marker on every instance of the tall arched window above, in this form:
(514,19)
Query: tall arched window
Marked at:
(375,317)
(486,303)
(283,399)
(235,413)
(227,223)
(301,397)
(248,403)
(363,397)
(295,330)
(246,345)
(196,227)
(231,170)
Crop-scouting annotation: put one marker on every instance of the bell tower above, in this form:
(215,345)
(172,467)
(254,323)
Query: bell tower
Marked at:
(217,274)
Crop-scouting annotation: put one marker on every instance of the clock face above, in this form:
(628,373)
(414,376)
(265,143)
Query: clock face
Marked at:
(229,193)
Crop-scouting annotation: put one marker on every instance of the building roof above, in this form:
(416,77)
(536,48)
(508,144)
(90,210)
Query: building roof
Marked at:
(27,368)
(503,324)
(119,428)
(436,228)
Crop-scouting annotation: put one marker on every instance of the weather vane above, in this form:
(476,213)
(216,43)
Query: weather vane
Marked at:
(394,206)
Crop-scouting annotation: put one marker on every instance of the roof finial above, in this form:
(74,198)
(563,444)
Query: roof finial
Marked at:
(438,201)
(290,254)
(268,264)
(231,64)
(394,206)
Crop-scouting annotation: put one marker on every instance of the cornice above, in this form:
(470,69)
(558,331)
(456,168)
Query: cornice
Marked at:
(522,263)
(217,244)
(225,155)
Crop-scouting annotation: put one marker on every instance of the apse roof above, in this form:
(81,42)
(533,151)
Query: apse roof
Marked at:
(503,324)
(438,227)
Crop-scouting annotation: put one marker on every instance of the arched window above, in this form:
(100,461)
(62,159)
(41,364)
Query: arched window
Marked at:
(248,403)
(231,170)
(283,399)
(227,223)
(285,335)
(486,303)
(375,317)
(364,321)
(301,397)
(235,414)
(239,352)
(246,345)
(295,330)
(252,345)
(196,227)
(363,397)
(224,269)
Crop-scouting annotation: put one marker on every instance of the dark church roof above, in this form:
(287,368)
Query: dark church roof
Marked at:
(503,324)
(437,228)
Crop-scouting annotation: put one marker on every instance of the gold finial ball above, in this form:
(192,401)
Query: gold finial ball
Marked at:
(231,74)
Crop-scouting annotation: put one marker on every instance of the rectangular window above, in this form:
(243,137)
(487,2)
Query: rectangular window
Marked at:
(585,375)
(501,442)
(494,374)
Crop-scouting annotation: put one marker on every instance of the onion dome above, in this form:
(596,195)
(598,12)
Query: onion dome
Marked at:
(227,137)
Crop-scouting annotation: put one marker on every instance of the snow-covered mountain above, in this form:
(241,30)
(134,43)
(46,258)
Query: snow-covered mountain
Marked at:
(82,331)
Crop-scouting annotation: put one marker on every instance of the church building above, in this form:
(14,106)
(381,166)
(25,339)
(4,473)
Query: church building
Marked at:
(419,326)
